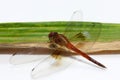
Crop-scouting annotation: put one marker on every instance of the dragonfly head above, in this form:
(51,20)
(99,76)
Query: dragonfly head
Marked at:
(52,36)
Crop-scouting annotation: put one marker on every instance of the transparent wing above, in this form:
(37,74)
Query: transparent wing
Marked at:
(82,34)
(30,55)
(50,66)
(51,61)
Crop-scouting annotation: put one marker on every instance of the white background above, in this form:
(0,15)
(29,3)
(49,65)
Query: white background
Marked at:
(61,10)
(52,10)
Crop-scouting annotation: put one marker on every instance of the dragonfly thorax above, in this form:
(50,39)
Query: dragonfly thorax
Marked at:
(59,39)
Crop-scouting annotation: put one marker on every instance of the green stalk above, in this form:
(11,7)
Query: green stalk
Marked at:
(38,31)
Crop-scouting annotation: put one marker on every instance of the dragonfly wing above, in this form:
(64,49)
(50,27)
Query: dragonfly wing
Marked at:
(50,66)
(29,55)
(83,34)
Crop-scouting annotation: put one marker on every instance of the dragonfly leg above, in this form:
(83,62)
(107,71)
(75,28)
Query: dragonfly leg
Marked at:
(56,55)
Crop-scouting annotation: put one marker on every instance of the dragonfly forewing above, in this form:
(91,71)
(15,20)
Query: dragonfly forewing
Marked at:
(30,55)
(81,34)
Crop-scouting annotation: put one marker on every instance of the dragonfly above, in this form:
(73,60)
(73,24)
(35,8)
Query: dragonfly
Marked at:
(58,42)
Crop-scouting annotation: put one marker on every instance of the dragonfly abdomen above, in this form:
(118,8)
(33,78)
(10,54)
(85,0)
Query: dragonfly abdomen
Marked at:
(73,48)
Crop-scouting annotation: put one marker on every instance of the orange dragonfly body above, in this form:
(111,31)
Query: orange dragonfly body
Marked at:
(56,60)
(61,40)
